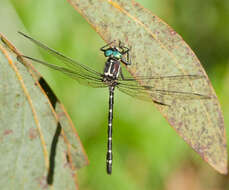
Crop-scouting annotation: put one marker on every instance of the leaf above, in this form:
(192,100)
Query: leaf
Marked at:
(157,50)
(38,142)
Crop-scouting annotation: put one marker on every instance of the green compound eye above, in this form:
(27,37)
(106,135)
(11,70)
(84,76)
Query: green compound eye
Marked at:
(117,54)
(108,53)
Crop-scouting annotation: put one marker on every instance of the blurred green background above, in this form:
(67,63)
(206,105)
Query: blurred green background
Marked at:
(148,154)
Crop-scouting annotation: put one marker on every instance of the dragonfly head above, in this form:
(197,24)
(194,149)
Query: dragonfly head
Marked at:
(108,53)
(113,53)
(117,54)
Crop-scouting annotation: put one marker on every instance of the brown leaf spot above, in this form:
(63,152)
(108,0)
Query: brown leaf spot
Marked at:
(68,163)
(60,115)
(17,105)
(42,182)
(7,132)
(172,32)
(33,133)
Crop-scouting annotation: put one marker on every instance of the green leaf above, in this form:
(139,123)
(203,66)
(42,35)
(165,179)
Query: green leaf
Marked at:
(157,50)
(37,137)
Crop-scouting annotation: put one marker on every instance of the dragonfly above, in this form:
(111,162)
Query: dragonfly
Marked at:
(112,77)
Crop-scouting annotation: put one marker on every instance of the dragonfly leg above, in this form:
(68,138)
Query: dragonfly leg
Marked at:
(128,58)
(104,48)
(161,103)
(125,50)
(126,62)
(121,74)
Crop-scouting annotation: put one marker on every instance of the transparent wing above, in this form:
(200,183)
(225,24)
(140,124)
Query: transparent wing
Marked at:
(136,93)
(175,81)
(85,79)
(164,88)
(160,88)
(171,78)
(70,63)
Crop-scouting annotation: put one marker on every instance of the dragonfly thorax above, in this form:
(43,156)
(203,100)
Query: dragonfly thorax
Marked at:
(111,70)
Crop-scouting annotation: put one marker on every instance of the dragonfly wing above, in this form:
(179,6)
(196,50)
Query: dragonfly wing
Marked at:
(136,93)
(70,63)
(181,95)
(88,80)
(152,93)
(145,95)
(173,78)
(172,83)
